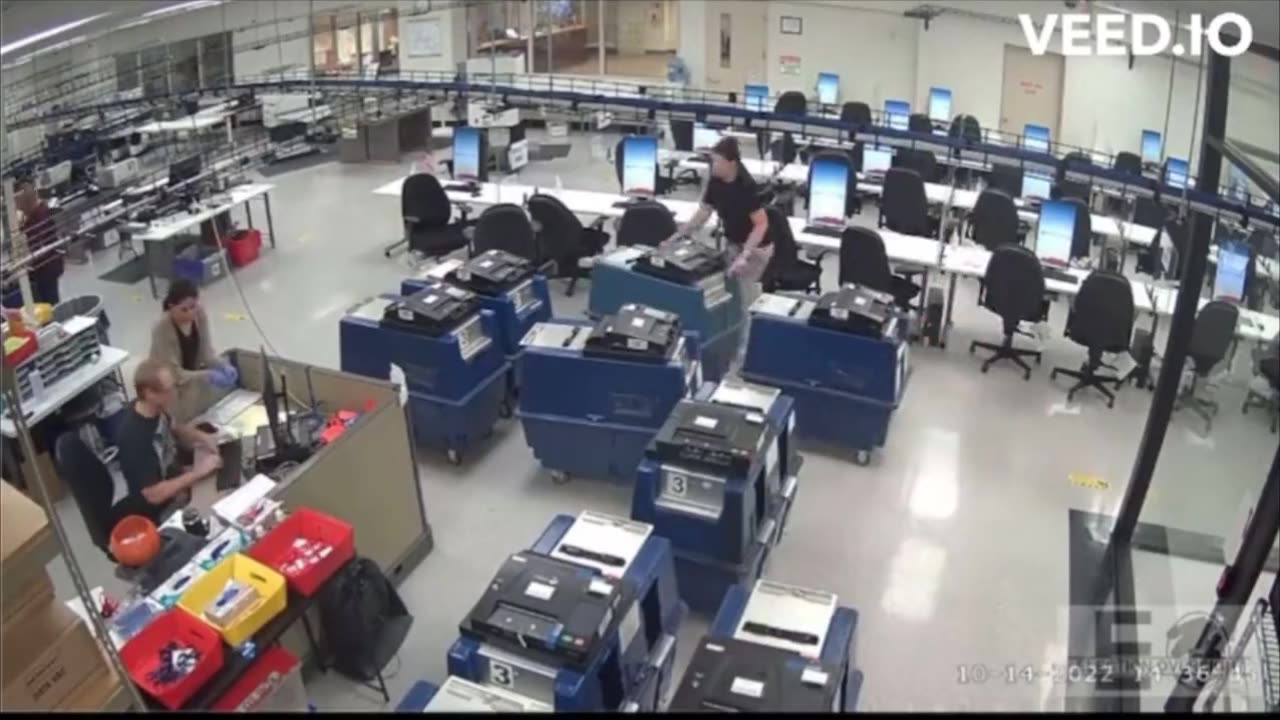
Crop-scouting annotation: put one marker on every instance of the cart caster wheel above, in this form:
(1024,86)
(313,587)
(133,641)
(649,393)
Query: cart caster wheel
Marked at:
(862,458)
(504,410)
(454,456)
(984,369)
(1037,359)
(560,477)
(1026,376)
(1111,404)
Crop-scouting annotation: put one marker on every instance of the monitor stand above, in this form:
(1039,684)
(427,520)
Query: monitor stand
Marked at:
(466,186)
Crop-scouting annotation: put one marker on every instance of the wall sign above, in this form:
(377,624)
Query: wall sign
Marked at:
(791,25)
(424,37)
(789,64)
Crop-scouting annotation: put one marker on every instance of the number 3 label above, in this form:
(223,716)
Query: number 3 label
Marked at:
(678,485)
(500,674)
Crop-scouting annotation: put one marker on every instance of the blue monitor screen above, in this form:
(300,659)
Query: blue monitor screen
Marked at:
(1035,137)
(1054,234)
(1233,259)
(828,88)
(1036,186)
(1238,184)
(1175,172)
(640,165)
(466,153)
(1150,146)
(704,138)
(828,183)
(897,113)
(757,97)
(877,159)
(939,104)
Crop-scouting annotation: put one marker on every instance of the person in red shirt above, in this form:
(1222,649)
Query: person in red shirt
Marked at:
(37,224)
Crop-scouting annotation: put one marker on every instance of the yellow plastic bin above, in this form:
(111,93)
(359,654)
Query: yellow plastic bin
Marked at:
(269,584)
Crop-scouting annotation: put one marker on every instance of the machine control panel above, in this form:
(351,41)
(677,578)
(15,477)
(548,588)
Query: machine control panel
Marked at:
(857,310)
(791,618)
(720,438)
(603,542)
(435,310)
(737,676)
(492,272)
(686,262)
(548,609)
(636,332)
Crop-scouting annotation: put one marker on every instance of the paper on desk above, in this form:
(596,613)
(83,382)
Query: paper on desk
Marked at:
(235,504)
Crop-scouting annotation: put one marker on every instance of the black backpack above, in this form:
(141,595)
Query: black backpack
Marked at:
(364,620)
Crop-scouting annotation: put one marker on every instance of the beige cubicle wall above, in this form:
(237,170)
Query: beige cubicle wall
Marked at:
(368,476)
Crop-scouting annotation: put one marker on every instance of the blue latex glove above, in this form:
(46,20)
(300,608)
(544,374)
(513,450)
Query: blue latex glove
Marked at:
(223,375)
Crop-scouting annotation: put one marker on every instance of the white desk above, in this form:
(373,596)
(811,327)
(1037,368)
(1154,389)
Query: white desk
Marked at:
(199,121)
(580,202)
(158,235)
(901,248)
(971,261)
(57,394)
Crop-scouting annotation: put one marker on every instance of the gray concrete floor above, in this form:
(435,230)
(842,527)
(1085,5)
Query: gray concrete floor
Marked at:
(952,545)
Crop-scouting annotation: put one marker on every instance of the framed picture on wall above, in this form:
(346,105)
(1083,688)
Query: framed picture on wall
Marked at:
(791,25)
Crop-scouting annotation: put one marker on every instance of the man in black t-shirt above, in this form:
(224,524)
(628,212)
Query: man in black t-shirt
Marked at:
(733,195)
(149,442)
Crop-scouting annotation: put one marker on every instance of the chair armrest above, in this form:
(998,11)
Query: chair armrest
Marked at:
(598,223)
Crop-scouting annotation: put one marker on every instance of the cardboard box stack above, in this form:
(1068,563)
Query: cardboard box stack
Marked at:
(50,660)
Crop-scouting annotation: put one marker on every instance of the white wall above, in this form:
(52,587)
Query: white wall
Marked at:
(453,39)
(691,46)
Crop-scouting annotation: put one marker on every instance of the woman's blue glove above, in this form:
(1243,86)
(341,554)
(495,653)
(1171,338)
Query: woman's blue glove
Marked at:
(223,375)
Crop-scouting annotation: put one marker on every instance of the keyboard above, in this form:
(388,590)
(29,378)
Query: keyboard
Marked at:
(1055,273)
(624,204)
(699,159)
(824,230)
(462,187)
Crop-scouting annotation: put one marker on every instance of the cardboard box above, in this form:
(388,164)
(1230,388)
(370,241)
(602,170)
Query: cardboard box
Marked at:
(27,544)
(53,483)
(46,657)
(34,593)
(102,691)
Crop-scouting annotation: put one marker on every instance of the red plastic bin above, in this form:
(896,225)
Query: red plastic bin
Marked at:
(243,247)
(141,655)
(275,547)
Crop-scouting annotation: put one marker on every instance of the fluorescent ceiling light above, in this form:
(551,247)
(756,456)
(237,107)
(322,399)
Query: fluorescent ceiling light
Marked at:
(182,7)
(41,36)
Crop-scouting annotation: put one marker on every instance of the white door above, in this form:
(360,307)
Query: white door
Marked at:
(1032,91)
(736,31)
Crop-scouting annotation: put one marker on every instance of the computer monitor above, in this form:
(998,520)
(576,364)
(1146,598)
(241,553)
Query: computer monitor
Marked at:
(939,104)
(466,154)
(828,187)
(704,138)
(1233,263)
(1036,187)
(184,170)
(877,159)
(639,165)
(757,97)
(828,88)
(1055,232)
(1175,172)
(1035,137)
(1151,147)
(897,113)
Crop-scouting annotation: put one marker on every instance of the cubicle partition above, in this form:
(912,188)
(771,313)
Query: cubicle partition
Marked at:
(368,476)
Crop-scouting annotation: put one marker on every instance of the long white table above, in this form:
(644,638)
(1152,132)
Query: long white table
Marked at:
(971,261)
(158,234)
(62,391)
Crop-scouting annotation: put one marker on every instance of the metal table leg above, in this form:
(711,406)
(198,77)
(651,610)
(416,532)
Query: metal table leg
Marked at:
(248,213)
(271,227)
(151,275)
(946,315)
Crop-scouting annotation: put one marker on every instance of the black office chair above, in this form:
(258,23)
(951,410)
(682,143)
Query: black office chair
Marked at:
(1148,212)
(783,149)
(994,220)
(1127,162)
(1211,339)
(919,122)
(1083,236)
(1266,367)
(858,113)
(646,223)
(1101,319)
(1064,188)
(682,134)
(426,211)
(1177,230)
(791,102)
(1014,291)
(563,238)
(506,227)
(92,487)
(972,129)
(786,271)
(863,261)
(904,207)
(1006,178)
(923,162)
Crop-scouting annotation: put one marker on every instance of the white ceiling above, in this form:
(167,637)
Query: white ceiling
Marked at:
(23,18)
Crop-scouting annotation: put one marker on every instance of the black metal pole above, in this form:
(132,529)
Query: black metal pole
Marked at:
(1233,593)
(1184,311)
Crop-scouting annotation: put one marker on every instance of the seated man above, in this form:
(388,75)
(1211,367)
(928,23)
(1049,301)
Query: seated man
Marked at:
(149,445)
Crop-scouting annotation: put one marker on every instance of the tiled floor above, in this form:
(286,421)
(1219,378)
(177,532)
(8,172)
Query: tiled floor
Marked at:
(952,545)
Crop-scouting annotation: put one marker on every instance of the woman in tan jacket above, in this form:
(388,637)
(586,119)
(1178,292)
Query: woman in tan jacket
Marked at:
(182,339)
